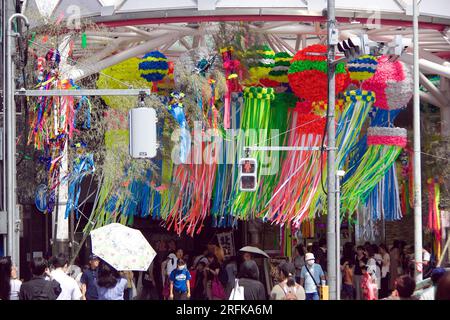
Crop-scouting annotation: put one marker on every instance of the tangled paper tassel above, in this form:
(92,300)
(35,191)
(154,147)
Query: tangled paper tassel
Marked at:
(153,66)
(231,67)
(82,166)
(176,109)
(308,74)
(392,84)
(362,68)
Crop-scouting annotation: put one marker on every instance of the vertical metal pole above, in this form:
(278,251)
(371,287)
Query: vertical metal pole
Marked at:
(417,163)
(338,238)
(331,172)
(10,108)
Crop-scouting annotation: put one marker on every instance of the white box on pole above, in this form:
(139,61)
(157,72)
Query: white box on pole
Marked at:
(142,123)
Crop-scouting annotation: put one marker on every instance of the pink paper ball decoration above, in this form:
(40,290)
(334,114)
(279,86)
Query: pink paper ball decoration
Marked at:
(392,84)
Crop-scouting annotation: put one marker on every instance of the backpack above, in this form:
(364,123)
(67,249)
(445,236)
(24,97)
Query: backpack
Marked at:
(289,294)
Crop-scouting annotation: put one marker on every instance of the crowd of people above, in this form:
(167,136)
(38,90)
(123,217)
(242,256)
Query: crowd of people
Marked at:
(369,272)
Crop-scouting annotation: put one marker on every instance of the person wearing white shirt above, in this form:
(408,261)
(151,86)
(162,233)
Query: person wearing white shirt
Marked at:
(15,284)
(69,287)
(429,293)
(372,268)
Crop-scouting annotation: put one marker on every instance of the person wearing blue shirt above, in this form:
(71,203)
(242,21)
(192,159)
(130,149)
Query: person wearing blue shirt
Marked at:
(180,282)
(89,279)
(311,276)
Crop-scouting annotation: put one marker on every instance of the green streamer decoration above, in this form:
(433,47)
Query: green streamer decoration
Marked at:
(384,146)
(83,40)
(255,124)
(356,109)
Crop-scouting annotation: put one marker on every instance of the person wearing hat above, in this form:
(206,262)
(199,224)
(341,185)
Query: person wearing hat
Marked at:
(310,277)
(89,279)
(429,293)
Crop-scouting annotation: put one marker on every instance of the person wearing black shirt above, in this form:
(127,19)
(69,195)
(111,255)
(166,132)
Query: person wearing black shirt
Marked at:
(248,278)
(212,270)
(38,288)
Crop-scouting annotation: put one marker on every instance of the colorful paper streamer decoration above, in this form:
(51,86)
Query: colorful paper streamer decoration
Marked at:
(82,166)
(176,109)
(153,66)
(300,172)
(434,214)
(384,146)
(356,109)
(308,74)
(255,122)
(362,68)
(232,81)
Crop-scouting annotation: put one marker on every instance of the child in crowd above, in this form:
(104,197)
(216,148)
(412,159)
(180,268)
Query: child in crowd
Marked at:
(368,286)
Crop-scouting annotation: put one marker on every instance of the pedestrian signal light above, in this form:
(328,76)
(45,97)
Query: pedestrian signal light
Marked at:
(247,171)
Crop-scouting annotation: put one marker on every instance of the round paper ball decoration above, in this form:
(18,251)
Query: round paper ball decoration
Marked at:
(121,76)
(261,61)
(362,68)
(308,74)
(280,69)
(153,66)
(392,84)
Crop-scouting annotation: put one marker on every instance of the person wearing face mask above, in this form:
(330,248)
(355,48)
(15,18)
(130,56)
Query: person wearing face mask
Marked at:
(310,277)
(179,286)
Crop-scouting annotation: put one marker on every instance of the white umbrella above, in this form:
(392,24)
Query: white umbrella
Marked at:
(254,250)
(122,247)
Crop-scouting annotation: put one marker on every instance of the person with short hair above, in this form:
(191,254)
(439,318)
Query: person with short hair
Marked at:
(38,288)
(89,279)
(69,286)
(179,285)
(443,288)
(310,277)
(287,288)
(429,293)
(404,289)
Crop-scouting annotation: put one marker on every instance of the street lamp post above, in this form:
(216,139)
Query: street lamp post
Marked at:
(13,239)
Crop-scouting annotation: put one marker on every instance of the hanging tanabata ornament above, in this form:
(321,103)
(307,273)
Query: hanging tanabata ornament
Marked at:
(153,67)
(384,144)
(255,122)
(393,86)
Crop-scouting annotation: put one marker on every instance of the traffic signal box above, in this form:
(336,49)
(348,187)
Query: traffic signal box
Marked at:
(248,169)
